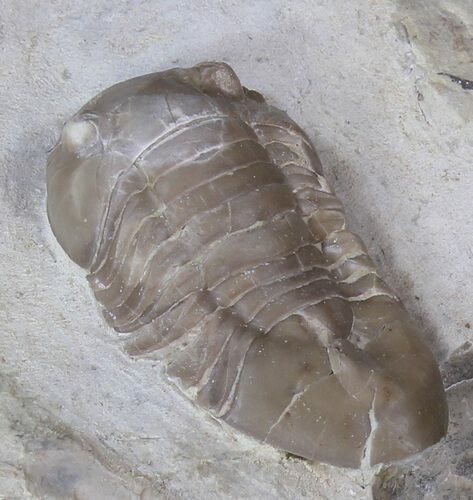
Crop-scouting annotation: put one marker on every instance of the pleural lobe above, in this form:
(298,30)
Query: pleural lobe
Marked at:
(207,228)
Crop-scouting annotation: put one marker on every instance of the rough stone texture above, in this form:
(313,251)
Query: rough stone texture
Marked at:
(363,78)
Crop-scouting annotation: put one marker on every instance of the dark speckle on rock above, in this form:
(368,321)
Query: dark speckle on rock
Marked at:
(463,82)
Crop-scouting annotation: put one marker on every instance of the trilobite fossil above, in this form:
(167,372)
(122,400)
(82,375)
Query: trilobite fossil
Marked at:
(204,222)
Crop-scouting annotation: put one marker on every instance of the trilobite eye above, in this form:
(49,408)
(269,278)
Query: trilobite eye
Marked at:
(80,135)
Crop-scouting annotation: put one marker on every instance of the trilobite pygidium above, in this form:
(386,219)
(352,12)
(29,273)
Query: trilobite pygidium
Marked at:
(202,217)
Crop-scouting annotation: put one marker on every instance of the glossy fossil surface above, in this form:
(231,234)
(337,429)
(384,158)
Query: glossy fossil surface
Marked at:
(205,224)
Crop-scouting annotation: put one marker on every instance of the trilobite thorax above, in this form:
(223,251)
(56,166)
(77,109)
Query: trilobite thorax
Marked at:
(204,221)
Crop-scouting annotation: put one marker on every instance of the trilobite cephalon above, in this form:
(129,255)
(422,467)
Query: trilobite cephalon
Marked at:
(205,224)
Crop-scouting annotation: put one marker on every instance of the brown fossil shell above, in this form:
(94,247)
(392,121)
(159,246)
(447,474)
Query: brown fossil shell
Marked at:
(205,224)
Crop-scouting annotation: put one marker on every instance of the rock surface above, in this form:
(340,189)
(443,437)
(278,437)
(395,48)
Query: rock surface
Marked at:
(370,83)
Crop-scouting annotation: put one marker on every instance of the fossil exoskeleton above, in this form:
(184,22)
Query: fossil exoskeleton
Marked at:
(204,222)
